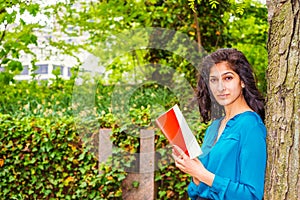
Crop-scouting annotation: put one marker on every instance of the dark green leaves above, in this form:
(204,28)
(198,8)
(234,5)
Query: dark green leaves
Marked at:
(14,65)
(38,162)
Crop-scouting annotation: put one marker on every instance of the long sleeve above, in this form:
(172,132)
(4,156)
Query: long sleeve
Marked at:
(193,190)
(238,162)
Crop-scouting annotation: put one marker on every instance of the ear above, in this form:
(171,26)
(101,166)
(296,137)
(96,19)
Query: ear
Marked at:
(242,84)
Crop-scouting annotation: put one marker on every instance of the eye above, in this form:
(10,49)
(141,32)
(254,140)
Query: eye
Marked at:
(212,80)
(228,78)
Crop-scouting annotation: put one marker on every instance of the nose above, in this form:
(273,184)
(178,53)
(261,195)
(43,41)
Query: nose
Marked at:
(220,86)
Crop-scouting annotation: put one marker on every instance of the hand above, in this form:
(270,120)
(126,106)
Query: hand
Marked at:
(193,167)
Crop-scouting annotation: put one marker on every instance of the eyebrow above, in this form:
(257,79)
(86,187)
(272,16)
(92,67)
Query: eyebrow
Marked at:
(226,73)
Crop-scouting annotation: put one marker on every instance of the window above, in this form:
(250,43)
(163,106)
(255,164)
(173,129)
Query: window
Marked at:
(70,29)
(69,41)
(42,69)
(69,71)
(25,70)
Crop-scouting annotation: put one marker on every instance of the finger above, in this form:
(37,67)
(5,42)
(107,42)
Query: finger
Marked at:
(179,165)
(197,160)
(175,152)
(179,151)
(178,162)
(176,157)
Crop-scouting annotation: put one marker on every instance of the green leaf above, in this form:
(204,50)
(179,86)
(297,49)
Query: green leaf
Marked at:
(27,39)
(33,9)
(10,18)
(5,61)
(135,184)
(14,65)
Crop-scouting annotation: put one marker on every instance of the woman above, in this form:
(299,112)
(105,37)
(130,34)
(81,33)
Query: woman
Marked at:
(233,162)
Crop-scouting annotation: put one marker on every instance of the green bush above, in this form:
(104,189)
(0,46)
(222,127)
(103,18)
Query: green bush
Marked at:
(37,99)
(45,159)
(47,153)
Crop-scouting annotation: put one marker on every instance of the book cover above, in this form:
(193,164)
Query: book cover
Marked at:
(175,128)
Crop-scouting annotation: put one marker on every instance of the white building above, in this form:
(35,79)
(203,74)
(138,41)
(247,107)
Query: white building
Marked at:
(49,57)
(43,71)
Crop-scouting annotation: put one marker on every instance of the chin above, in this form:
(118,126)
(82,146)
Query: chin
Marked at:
(222,103)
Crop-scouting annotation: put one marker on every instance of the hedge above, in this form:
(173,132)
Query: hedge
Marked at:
(44,158)
(47,153)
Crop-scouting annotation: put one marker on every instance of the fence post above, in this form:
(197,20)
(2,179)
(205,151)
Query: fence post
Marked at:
(145,176)
(147,152)
(105,145)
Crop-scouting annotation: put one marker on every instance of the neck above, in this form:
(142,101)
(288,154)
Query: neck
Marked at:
(239,106)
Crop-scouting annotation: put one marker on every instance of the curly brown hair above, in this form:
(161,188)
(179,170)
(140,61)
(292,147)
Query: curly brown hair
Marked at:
(238,63)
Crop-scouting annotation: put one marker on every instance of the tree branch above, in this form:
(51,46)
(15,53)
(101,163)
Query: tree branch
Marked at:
(197,29)
(3,33)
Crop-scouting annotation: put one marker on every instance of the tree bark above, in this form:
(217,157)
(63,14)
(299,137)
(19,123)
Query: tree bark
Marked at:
(283,101)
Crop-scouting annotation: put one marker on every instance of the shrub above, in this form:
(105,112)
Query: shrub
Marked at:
(47,153)
(43,158)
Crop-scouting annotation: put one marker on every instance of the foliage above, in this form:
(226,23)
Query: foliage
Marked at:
(171,182)
(37,99)
(48,106)
(251,40)
(216,24)
(22,24)
(16,36)
(44,158)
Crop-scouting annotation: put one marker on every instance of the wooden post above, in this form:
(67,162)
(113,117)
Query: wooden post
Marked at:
(145,176)
(105,145)
(147,153)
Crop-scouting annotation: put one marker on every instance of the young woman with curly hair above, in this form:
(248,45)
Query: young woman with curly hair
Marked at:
(232,166)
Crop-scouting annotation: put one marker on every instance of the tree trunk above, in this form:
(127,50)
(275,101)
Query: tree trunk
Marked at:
(283,101)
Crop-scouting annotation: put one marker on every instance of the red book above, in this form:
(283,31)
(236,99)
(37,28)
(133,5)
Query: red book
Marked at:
(175,128)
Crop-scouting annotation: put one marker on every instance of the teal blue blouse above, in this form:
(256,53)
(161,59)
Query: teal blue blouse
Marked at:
(238,160)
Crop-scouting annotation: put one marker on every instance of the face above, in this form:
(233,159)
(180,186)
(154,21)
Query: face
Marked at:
(225,84)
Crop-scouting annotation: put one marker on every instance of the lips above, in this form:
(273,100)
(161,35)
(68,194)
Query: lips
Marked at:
(223,96)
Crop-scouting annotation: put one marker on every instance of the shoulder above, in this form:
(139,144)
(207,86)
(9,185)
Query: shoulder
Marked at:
(251,123)
(248,118)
